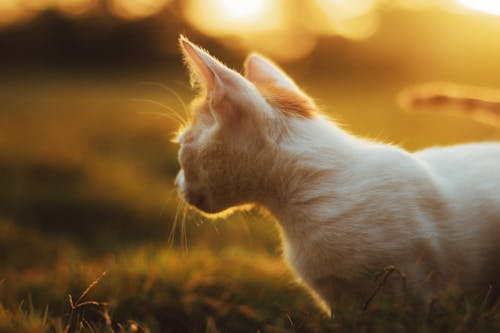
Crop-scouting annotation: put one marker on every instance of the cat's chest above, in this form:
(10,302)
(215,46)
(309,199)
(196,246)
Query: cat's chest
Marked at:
(315,255)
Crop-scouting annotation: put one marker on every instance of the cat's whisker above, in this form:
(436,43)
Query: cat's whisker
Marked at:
(173,230)
(171,91)
(182,84)
(194,215)
(168,198)
(216,228)
(173,192)
(160,114)
(172,113)
(189,211)
(175,118)
(184,242)
(246,227)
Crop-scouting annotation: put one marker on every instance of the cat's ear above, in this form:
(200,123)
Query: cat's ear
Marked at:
(206,71)
(215,80)
(262,71)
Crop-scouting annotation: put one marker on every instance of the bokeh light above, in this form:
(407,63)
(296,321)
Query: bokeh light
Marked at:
(228,17)
(136,9)
(345,9)
(241,9)
(486,6)
(75,7)
(11,11)
(284,30)
(281,45)
(355,19)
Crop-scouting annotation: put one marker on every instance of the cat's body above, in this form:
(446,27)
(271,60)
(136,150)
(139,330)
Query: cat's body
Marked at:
(347,207)
(352,207)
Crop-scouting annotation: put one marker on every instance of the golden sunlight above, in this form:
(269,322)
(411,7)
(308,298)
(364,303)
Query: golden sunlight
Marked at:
(75,7)
(345,9)
(353,19)
(11,11)
(136,9)
(491,7)
(234,17)
(241,9)
(284,30)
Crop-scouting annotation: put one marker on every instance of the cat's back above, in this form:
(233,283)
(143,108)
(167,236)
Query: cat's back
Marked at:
(469,178)
(469,175)
(466,163)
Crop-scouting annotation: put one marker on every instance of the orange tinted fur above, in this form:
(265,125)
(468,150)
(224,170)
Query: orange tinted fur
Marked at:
(480,103)
(288,101)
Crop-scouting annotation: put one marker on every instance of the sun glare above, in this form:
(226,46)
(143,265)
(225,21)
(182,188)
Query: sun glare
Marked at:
(284,30)
(230,17)
(241,9)
(491,7)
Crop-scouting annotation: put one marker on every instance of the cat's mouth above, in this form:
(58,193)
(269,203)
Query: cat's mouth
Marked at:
(197,200)
(193,198)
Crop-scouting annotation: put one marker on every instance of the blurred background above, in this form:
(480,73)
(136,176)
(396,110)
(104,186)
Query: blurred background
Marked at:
(87,165)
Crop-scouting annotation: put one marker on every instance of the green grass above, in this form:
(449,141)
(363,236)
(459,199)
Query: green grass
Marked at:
(86,180)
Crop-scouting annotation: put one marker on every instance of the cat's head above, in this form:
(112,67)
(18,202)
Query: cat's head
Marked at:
(237,122)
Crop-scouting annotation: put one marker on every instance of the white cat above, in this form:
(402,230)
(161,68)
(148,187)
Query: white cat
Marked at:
(347,207)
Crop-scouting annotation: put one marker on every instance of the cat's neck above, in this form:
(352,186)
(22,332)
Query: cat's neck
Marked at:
(304,172)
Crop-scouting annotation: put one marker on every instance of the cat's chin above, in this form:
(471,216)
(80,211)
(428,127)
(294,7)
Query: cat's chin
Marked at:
(213,213)
(221,213)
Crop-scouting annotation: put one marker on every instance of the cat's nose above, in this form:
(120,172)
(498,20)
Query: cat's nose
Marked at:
(179,180)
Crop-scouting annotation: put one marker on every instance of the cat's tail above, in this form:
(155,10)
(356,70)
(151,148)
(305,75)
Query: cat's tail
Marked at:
(481,104)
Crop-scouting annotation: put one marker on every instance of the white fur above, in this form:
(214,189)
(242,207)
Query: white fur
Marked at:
(347,207)
(436,211)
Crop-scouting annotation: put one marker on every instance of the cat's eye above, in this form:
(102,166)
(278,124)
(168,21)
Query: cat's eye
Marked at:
(183,137)
(179,138)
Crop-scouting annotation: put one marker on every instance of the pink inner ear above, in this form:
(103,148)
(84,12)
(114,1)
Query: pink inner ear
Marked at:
(256,71)
(208,71)
(197,64)
(262,71)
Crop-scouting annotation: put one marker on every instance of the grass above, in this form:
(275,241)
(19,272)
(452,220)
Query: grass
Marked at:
(168,291)
(86,177)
